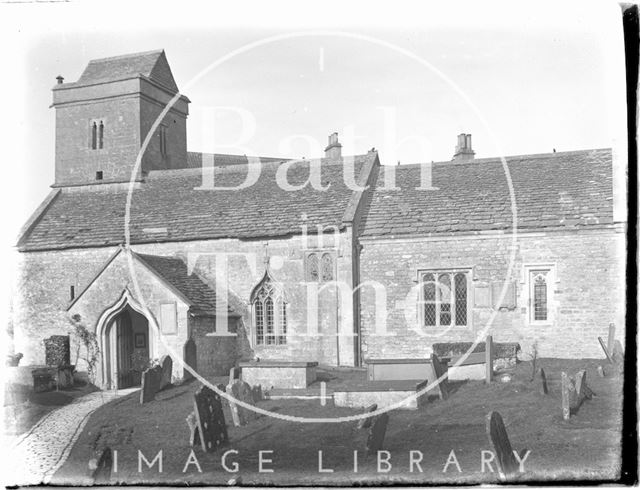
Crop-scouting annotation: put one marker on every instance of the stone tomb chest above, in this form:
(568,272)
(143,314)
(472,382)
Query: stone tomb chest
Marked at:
(279,374)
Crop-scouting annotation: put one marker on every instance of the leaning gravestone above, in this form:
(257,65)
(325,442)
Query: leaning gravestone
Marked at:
(606,351)
(507,463)
(365,422)
(209,419)
(241,391)
(376,434)
(582,390)
(102,473)
(440,370)
(190,358)
(166,364)
(543,377)
(150,384)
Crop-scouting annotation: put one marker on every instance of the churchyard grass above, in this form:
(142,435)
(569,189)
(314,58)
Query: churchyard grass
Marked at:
(586,446)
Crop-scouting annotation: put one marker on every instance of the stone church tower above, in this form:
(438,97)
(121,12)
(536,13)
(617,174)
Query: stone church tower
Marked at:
(102,120)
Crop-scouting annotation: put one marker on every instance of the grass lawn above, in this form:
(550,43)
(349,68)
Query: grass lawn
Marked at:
(587,446)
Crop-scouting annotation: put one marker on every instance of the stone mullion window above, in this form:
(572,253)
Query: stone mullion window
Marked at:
(445,298)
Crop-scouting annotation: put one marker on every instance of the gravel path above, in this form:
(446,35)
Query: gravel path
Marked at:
(38,454)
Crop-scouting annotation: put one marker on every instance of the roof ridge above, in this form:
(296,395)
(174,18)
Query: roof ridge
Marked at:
(129,55)
(527,156)
(234,168)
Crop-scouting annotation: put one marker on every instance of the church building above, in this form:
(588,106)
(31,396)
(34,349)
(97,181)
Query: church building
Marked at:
(372,262)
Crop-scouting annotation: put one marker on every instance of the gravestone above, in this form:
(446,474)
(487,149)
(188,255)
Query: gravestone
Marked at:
(57,351)
(257,394)
(440,369)
(102,473)
(241,391)
(601,372)
(166,365)
(209,419)
(377,431)
(194,433)
(507,462)
(568,394)
(606,351)
(488,353)
(150,384)
(611,338)
(190,358)
(618,353)
(582,390)
(365,422)
(574,393)
(543,378)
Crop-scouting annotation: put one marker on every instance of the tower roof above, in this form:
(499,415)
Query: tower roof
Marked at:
(150,64)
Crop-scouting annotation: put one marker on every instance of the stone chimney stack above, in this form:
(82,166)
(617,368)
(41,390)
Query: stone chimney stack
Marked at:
(334,148)
(464,151)
(60,79)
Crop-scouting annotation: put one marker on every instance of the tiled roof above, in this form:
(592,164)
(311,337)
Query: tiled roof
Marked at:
(168,207)
(568,189)
(194,159)
(151,64)
(174,272)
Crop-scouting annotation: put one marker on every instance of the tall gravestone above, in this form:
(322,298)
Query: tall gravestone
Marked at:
(190,358)
(166,365)
(240,391)
(507,462)
(102,473)
(150,384)
(57,351)
(212,428)
(377,431)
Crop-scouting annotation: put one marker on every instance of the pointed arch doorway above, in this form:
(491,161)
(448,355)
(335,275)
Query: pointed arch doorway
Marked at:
(126,348)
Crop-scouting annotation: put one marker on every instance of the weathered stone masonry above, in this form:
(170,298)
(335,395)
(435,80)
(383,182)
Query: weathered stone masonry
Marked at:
(588,293)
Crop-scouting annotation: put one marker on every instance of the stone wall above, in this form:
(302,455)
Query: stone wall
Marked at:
(42,293)
(216,354)
(128,109)
(588,293)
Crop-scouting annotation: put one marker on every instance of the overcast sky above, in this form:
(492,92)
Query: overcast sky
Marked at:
(530,77)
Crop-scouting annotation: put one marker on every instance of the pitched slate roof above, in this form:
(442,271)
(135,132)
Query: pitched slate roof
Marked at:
(150,64)
(564,189)
(169,207)
(174,272)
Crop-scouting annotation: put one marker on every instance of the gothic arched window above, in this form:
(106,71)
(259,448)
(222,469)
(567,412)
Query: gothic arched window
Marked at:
(94,136)
(101,135)
(327,267)
(269,312)
(313,268)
